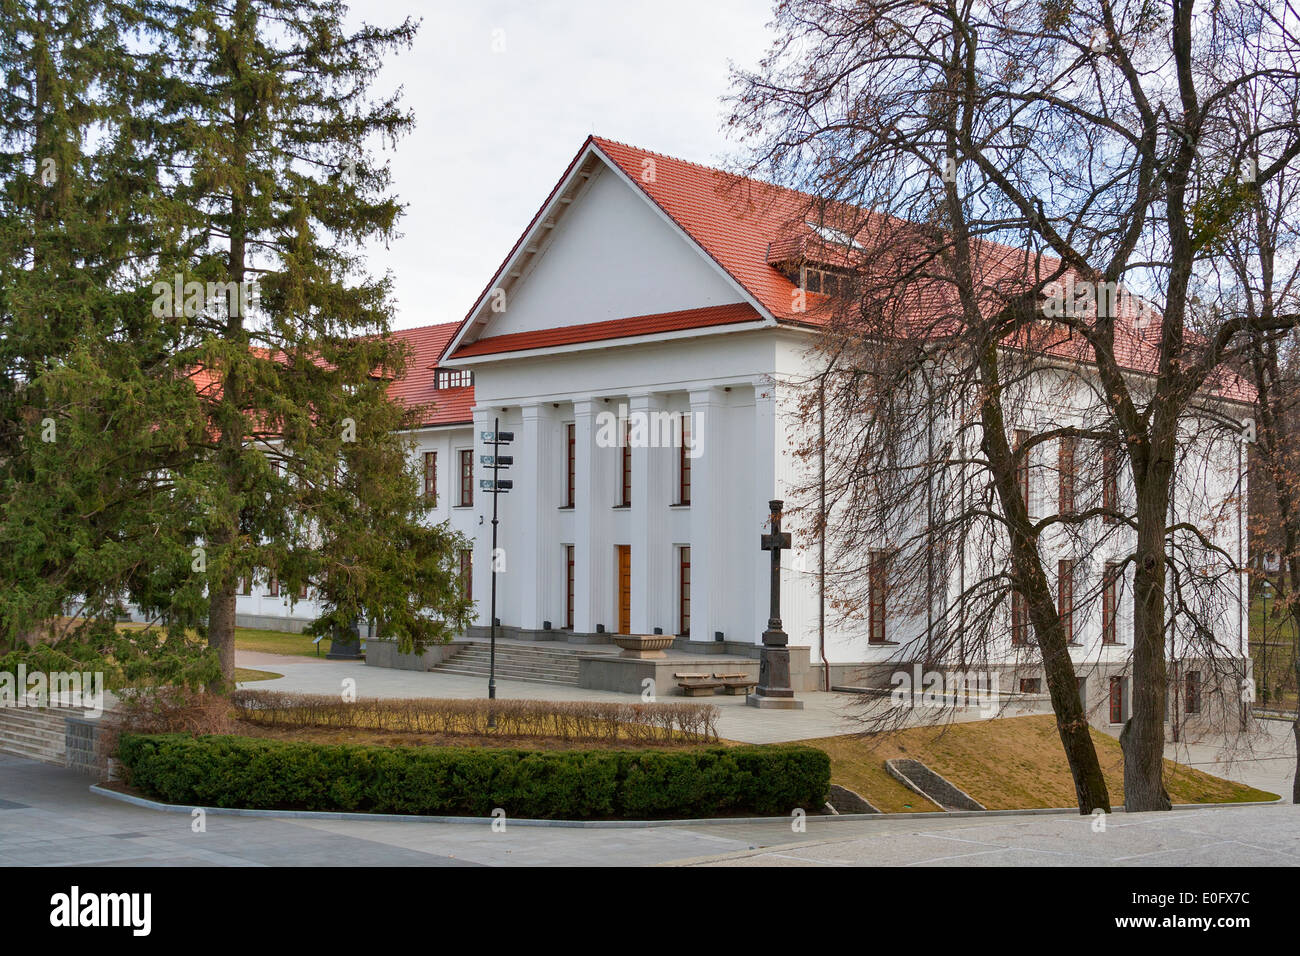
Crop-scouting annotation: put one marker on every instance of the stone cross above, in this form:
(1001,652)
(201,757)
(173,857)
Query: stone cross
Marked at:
(774,688)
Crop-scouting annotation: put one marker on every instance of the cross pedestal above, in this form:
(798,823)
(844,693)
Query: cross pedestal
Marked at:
(774,690)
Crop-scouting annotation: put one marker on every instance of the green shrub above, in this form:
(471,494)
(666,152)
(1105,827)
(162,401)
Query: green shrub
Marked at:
(570,784)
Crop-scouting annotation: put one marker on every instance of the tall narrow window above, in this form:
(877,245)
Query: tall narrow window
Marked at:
(246,584)
(302,591)
(273,586)
(430,478)
(1117,700)
(466,477)
(684,463)
(1065,463)
(1022,468)
(684,590)
(1019,619)
(1109,585)
(1193,692)
(877,586)
(1065,597)
(1109,482)
(568,585)
(627,463)
(571,473)
(467,572)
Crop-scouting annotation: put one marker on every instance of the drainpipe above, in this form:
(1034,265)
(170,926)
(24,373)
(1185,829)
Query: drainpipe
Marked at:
(821,539)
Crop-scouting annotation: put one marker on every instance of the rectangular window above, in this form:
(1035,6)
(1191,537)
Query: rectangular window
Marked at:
(571,473)
(430,478)
(684,463)
(1031,685)
(467,572)
(246,584)
(877,585)
(626,497)
(684,590)
(466,477)
(1117,700)
(453,378)
(1022,468)
(1065,464)
(1110,481)
(1065,597)
(302,591)
(1109,585)
(568,585)
(273,586)
(1019,619)
(1192,691)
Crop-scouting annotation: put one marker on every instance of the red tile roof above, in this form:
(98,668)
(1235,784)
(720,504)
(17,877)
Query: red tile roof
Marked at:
(450,406)
(614,328)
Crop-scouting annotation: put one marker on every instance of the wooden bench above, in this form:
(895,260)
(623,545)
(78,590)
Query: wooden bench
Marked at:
(736,684)
(696,685)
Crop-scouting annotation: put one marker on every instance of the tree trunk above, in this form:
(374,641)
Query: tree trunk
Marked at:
(221,630)
(1143,737)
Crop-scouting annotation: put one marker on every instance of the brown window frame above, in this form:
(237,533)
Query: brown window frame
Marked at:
(1022,468)
(684,463)
(246,585)
(569,578)
(1192,692)
(1109,588)
(1031,685)
(1117,700)
(684,590)
(467,572)
(431,479)
(1066,460)
(571,474)
(625,497)
(1110,482)
(273,586)
(877,597)
(466,477)
(1065,569)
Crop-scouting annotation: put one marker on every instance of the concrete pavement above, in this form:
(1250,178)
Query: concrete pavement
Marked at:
(48,817)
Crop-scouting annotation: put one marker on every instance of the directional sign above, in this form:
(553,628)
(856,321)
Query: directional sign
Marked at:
(501,461)
(504,484)
(501,438)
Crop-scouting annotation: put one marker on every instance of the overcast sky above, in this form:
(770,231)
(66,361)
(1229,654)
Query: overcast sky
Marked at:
(495,129)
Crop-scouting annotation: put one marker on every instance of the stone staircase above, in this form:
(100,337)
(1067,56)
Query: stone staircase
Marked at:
(539,664)
(37,733)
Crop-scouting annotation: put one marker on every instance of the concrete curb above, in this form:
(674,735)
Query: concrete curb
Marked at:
(148,804)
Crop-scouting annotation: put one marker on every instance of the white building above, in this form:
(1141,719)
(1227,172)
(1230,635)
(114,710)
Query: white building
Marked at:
(645,289)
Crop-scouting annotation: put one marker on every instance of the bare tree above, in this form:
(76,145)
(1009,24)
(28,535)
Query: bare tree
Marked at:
(1058,174)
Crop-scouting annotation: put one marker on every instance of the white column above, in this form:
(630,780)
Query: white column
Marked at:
(482,530)
(764,490)
(707,513)
(592,554)
(651,484)
(533,565)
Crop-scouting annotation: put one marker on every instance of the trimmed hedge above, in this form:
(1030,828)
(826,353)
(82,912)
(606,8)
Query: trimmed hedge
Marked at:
(248,772)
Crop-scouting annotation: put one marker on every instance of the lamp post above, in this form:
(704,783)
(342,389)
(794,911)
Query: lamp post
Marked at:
(496,485)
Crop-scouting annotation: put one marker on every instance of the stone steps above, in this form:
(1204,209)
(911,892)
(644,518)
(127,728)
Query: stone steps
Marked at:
(539,665)
(35,733)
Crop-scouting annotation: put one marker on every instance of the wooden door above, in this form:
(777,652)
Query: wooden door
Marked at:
(624,588)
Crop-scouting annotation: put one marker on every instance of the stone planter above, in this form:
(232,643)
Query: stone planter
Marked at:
(643,646)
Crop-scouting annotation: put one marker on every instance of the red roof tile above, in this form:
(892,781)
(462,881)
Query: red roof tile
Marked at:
(614,328)
(450,406)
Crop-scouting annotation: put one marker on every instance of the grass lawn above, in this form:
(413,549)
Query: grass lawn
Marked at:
(1007,764)
(1272,649)
(267,642)
(247,674)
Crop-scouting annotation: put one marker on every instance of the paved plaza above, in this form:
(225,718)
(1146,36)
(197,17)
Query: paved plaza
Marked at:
(49,817)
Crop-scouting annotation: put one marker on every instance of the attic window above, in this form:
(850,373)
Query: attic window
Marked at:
(824,281)
(453,378)
(834,235)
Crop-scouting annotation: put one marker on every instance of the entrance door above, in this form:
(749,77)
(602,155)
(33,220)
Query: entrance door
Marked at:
(624,588)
